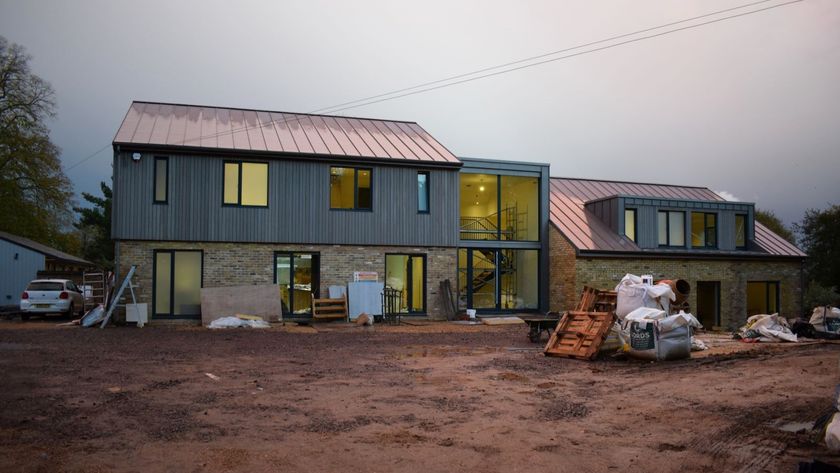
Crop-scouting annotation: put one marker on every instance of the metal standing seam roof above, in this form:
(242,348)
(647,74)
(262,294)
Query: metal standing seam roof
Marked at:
(43,249)
(164,124)
(587,232)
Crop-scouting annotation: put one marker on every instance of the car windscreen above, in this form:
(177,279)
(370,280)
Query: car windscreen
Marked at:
(45,286)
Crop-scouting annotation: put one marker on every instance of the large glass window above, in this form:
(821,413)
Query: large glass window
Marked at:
(740,231)
(703,230)
(161,180)
(520,208)
(297,274)
(671,228)
(407,274)
(178,282)
(630,223)
(423,192)
(495,207)
(498,279)
(246,184)
(762,297)
(350,188)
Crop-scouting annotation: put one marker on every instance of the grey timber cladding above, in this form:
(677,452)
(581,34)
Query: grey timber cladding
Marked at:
(298,205)
(20,265)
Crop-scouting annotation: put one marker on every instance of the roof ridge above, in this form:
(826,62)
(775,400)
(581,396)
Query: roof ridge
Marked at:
(631,182)
(270,111)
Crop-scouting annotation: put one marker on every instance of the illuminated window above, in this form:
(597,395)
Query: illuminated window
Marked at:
(161,180)
(630,223)
(703,230)
(350,188)
(246,184)
(762,297)
(741,231)
(671,228)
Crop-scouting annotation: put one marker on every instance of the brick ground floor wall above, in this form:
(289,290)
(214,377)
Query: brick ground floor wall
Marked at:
(240,264)
(570,273)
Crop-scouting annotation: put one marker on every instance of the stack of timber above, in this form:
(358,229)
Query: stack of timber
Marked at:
(580,332)
(329,308)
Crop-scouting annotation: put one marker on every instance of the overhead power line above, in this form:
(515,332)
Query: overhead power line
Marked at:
(505,67)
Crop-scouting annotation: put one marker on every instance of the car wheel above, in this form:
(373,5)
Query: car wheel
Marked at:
(70,311)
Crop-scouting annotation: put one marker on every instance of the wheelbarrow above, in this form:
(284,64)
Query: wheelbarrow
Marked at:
(537,324)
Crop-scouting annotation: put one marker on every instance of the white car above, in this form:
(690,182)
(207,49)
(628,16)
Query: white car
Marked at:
(51,296)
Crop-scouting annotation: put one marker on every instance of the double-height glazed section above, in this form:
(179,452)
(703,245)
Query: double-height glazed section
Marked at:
(503,221)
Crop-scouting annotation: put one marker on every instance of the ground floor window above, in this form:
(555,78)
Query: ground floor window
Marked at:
(498,279)
(297,274)
(762,297)
(406,273)
(177,283)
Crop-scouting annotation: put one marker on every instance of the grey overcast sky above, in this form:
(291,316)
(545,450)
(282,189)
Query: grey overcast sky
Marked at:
(748,106)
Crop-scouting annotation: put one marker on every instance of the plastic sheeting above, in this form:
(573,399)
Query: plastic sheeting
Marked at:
(766,328)
(236,322)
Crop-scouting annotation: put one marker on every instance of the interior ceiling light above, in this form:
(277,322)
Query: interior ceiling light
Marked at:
(481,188)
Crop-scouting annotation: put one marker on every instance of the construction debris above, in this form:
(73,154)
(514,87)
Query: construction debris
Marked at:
(579,334)
(364,319)
(826,319)
(93,316)
(212,376)
(766,328)
(501,320)
(236,322)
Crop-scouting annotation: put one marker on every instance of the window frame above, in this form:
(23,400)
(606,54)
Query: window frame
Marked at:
(668,228)
(746,240)
(635,211)
(239,163)
(355,189)
(165,200)
(706,245)
(428,196)
(423,256)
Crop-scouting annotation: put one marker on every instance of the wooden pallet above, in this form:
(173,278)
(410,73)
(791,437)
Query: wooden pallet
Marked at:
(579,334)
(329,308)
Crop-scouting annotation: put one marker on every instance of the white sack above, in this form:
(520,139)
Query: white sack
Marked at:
(767,328)
(633,294)
(832,433)
(826,319)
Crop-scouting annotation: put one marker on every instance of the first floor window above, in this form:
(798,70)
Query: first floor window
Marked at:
(630,223)
(703,230)
(246,184)
(161,180)
(423,192)
(350,188)
(762,297)
(671,228)
(741,231)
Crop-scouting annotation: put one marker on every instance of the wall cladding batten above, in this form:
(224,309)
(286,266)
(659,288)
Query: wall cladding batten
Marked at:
(298,209)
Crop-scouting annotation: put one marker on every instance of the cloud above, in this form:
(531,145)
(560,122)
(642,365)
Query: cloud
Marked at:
(728,196)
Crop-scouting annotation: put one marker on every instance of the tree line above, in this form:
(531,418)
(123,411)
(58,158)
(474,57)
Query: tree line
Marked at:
(38,199)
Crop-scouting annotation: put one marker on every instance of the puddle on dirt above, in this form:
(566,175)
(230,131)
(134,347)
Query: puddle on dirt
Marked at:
(795,426)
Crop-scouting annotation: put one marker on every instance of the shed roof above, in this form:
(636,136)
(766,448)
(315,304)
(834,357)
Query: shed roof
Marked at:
(589,233)
(236,129)
(43,249)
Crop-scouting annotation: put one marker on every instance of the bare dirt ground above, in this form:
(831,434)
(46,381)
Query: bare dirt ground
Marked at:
(436,398)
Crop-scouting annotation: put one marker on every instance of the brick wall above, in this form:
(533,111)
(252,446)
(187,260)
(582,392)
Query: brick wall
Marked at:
(733,276)
(235,264)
